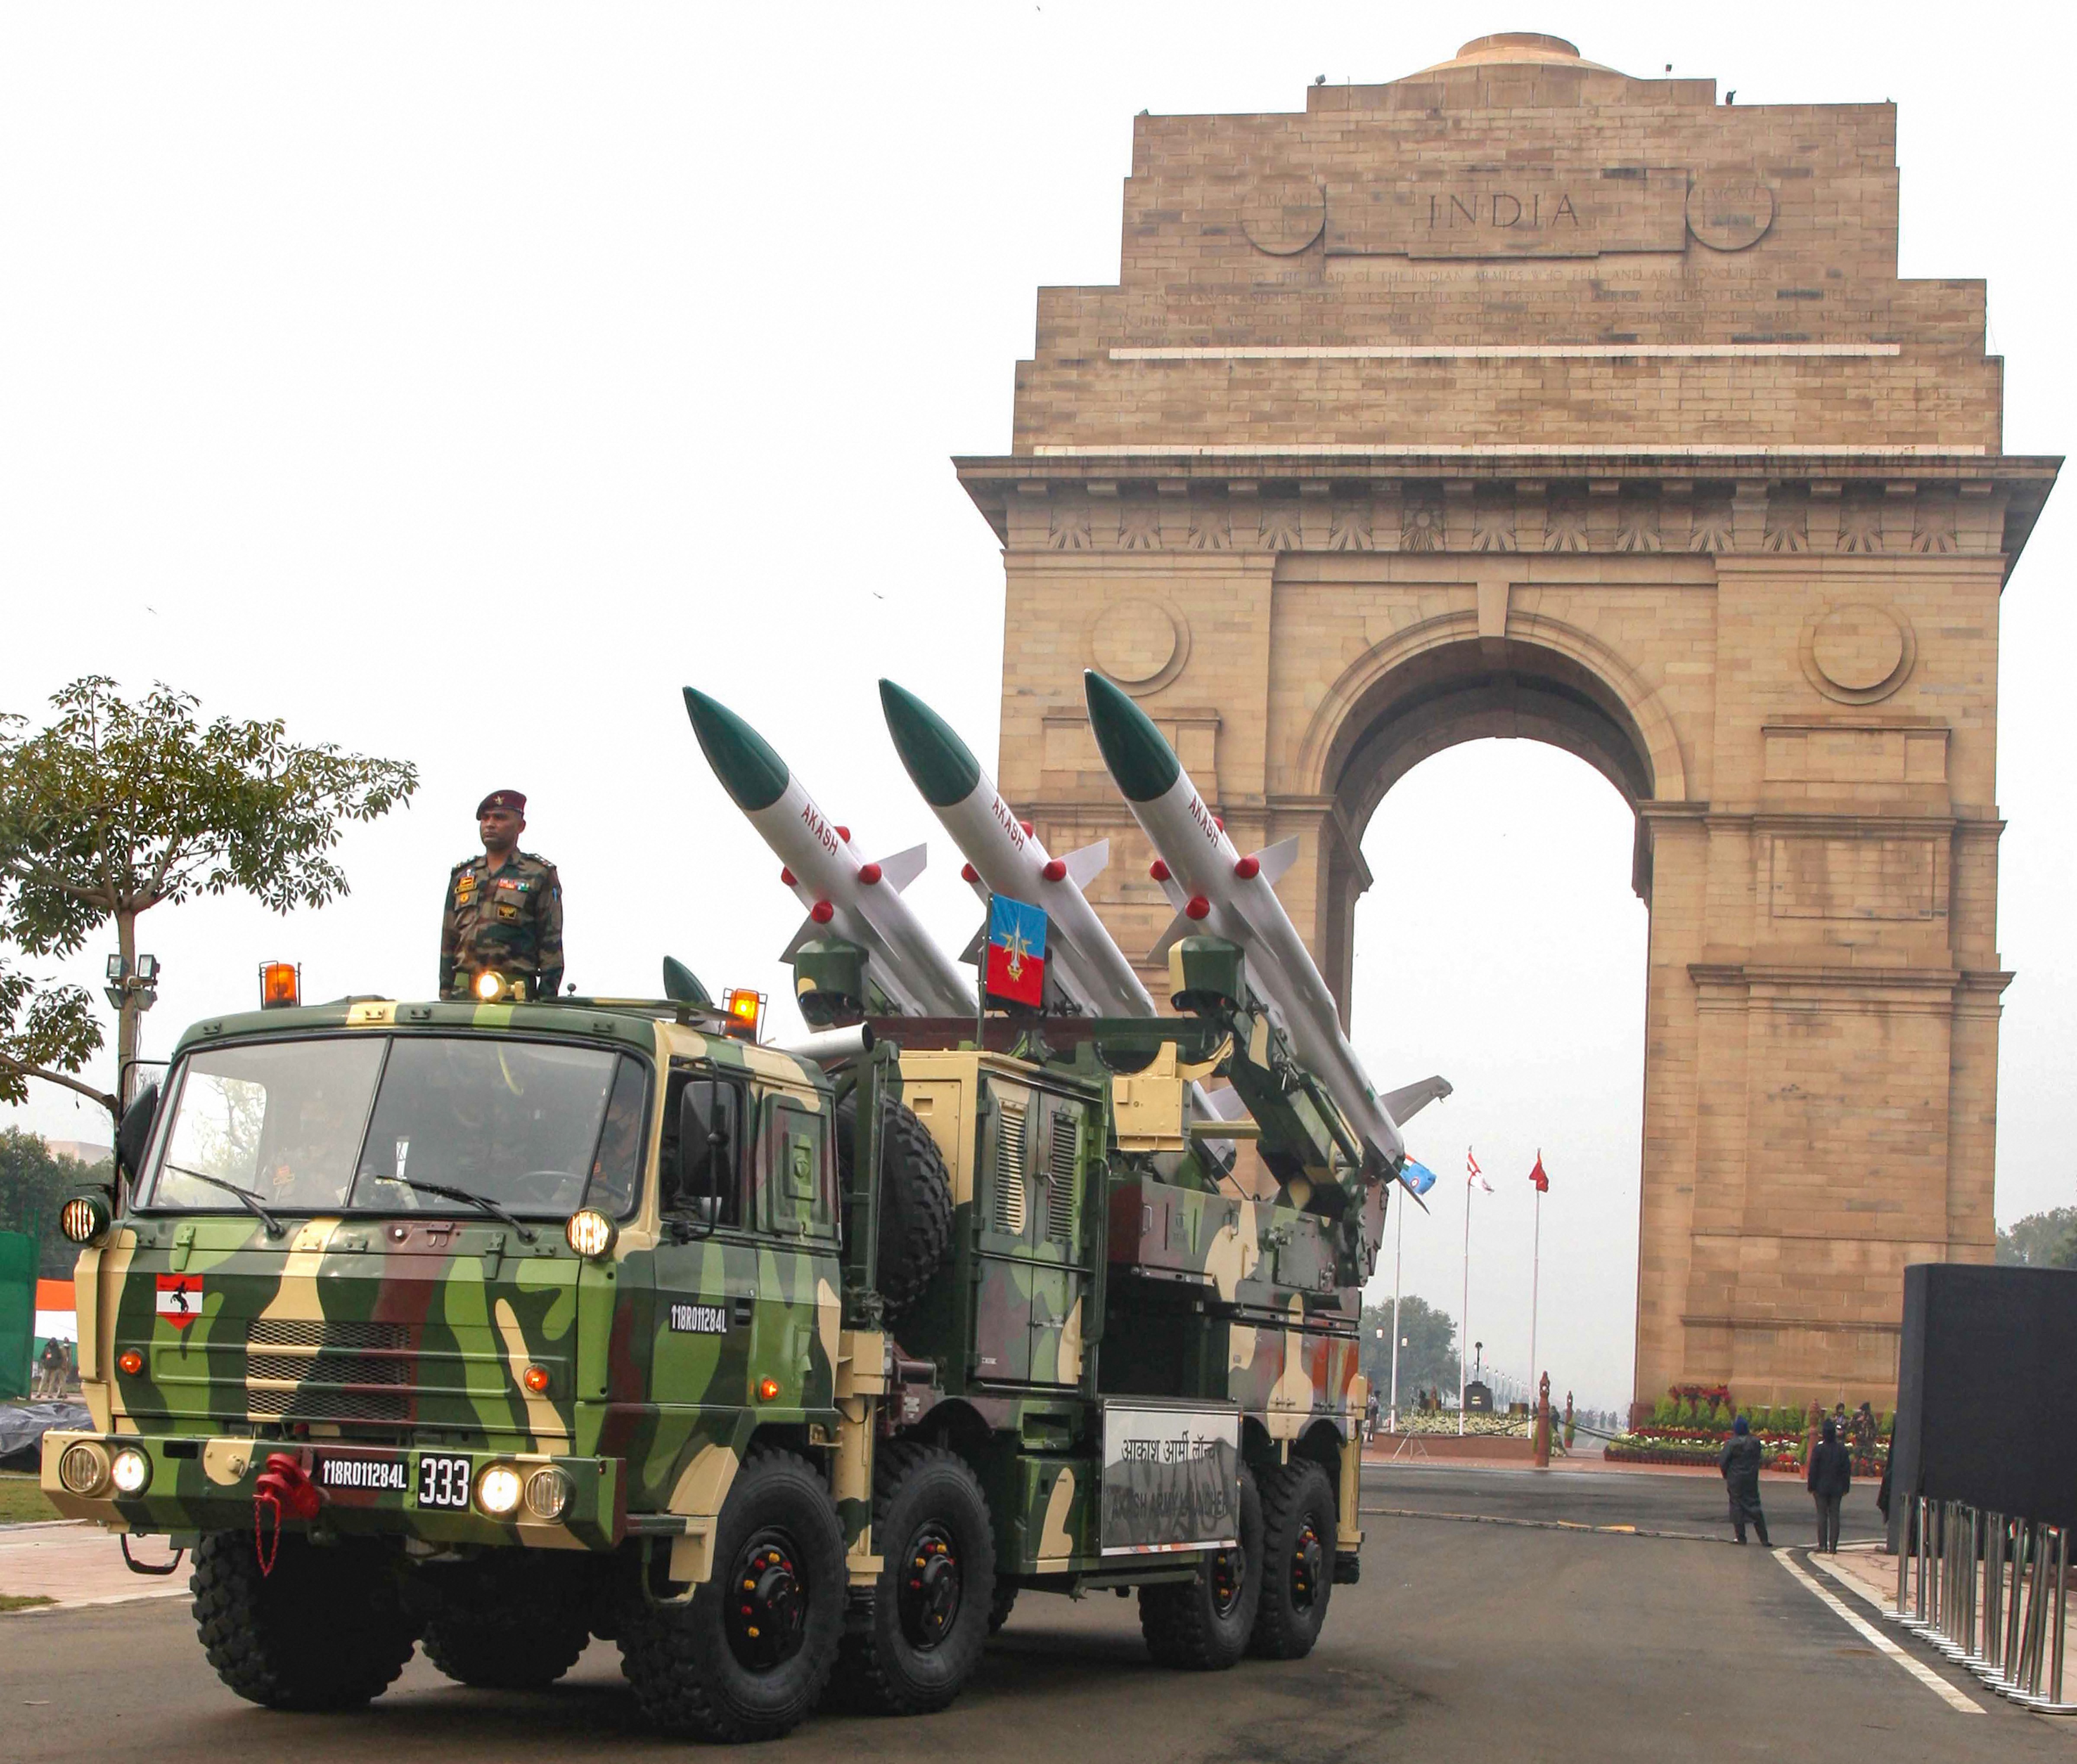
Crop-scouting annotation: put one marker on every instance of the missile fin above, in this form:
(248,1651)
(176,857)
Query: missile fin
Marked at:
(1171,891)
(808,933)
(904,867)
(1181,926)
(1085,866)
(1275,859)
(978,943)
(1408,1101)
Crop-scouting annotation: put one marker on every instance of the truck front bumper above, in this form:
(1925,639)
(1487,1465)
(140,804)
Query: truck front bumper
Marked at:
(193,1484)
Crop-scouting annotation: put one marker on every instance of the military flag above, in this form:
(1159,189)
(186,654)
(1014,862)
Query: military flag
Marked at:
(1542,1182)
(1015,956)
(1418,1177)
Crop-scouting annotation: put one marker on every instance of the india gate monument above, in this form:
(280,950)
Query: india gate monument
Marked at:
(1520,397)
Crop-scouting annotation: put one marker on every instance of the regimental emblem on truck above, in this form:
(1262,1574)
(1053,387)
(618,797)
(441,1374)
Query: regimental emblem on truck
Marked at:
(180,1299)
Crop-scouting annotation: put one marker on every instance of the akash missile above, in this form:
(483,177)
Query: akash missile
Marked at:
(847,895)
(1217,891)
(1084,963)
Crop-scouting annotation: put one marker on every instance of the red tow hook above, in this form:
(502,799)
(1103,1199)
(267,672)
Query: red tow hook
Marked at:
(285,1486)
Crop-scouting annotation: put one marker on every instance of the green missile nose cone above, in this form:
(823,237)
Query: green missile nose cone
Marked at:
(1142,763)
(748,769)
(939,763)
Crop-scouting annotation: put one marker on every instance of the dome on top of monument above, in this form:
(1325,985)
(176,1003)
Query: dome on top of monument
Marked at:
(1531,46)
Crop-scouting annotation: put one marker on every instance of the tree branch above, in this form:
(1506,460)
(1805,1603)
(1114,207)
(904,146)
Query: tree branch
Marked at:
(102,1097)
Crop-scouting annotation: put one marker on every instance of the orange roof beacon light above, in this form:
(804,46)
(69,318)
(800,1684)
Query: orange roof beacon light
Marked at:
(281,985)
(746,1013)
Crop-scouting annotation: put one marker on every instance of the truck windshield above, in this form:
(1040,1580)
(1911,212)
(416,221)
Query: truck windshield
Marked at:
(317,1125)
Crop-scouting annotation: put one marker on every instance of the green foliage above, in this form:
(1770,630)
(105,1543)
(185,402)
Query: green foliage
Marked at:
(119,807)
(1685,1415)
(1762,1419)
(47,1031)
(1724,1417)
(1664,1412)
(1428,1358)
(34,1183)
(2046,1239)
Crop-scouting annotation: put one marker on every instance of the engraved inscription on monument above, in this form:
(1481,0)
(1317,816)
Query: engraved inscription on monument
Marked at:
(1536,211)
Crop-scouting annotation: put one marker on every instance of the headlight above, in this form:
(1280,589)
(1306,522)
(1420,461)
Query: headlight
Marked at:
(498,1489)
(131,1471)
(548,1493)
(589,1232)
(84,1468)
(85,1217)
(489,986)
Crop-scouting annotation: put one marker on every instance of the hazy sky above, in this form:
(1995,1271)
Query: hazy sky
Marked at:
(459,382)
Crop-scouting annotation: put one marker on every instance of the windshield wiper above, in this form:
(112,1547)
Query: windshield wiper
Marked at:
(274,1226)
(526,1232)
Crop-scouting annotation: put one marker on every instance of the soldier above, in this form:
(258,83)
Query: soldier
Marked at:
(504,911)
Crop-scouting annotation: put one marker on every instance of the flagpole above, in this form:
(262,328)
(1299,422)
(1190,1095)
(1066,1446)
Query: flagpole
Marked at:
(1535,1271)
(1464,1327)
(1398,1263)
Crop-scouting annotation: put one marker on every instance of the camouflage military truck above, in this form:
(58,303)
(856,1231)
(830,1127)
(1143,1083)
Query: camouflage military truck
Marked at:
(501,1326)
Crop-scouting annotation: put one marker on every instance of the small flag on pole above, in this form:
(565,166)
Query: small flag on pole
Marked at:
(1418,1177)
(1016,958)
(1473,1177)
(1536,1176)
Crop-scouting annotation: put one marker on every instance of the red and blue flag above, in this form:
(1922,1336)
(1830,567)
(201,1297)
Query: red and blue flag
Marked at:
(1015,956)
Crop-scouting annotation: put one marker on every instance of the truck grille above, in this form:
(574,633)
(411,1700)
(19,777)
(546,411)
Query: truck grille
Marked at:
(326,1372)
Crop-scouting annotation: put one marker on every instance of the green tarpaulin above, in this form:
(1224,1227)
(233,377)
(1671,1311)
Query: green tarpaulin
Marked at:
(17,1310)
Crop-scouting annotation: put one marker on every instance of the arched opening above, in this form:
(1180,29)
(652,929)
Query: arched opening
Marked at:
(1494,894)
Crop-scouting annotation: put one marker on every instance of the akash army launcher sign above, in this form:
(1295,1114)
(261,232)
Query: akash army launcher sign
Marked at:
(513,1324)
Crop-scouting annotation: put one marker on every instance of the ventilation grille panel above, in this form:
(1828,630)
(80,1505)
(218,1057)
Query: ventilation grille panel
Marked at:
(1012,1209)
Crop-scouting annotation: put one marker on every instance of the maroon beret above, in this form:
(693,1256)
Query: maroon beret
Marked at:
(513,800)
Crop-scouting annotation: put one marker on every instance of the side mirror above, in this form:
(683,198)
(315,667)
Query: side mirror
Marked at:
(133,1136)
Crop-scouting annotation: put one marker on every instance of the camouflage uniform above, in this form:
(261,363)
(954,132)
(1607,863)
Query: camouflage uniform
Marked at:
(509,919)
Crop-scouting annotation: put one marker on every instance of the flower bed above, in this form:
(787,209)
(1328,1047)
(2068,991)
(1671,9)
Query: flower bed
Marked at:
(1515,1427)
(1687,1445)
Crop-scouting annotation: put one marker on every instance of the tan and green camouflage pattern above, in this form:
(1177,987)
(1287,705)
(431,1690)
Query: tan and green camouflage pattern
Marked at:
(392,1335)
(508,921)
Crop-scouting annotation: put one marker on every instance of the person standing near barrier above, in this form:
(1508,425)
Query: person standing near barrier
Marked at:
(1739,1465)
(1830,1475)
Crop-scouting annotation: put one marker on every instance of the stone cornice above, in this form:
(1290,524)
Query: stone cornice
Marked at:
(1767,507)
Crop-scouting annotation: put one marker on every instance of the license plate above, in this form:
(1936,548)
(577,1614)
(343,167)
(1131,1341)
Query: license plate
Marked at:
(358,1474)
(443,1480)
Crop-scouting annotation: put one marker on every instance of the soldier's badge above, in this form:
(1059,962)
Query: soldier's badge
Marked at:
(180,1299)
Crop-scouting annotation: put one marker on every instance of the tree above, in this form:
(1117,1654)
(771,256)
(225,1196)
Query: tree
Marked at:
(1427,1361)
(46,1032)
(120,806)
(2046,1239)
(34,1181)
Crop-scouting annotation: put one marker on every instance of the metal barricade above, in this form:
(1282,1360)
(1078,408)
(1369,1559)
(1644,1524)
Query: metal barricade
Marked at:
(1991,1592)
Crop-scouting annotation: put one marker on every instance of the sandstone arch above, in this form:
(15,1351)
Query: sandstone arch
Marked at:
(1519,396)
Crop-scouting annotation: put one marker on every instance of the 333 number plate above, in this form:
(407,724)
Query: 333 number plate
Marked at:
(443,1481)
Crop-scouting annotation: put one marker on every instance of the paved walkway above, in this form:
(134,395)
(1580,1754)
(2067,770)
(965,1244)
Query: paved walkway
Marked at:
(74,1563)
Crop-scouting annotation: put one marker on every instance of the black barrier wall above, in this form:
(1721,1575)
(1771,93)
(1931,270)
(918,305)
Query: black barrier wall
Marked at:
(1986,1392)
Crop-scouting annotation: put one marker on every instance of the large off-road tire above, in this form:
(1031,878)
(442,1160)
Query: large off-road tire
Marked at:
(326,1629)
(1298,1560)
(1203,1625)
(748,1656)
(932,1603)
(513,1619)
(915,1202)
(1000,1607)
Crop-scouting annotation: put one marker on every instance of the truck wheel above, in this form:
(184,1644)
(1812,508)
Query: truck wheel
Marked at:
(1204,1625)
(915,1202)
(514,1620)
(1000,1607)
(325,1630)
(932,1601)
(1298,1551)
(746,1658)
